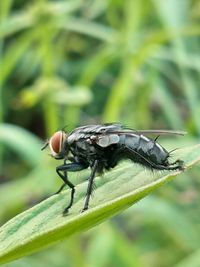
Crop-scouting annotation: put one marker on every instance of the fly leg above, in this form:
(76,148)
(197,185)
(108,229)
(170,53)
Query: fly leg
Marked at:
(179,165)
(65,174)
(62,172)
(90,184)
(61,188)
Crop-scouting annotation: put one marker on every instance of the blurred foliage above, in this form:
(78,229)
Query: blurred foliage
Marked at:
(73,62)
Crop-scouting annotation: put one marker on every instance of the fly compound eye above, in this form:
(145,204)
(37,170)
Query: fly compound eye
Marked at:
(56,142)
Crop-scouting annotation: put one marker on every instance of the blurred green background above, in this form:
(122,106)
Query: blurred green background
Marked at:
(75,62)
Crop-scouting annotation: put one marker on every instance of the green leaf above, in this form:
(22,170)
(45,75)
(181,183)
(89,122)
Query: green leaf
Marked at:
(117,190)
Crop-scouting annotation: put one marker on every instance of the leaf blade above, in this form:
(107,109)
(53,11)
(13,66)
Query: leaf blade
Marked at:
(44,224)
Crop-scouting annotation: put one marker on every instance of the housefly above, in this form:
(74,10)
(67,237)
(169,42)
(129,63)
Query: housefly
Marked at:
(101,147)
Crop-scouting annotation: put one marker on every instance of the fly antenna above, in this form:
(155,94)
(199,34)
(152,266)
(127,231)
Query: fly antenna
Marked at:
(45,145)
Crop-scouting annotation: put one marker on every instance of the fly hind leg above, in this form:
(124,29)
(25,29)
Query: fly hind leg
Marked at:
(178,164)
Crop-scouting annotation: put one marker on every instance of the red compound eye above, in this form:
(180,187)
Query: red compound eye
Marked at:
(55,142)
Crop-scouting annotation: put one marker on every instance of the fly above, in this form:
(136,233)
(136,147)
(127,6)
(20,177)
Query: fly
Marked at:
(101,147)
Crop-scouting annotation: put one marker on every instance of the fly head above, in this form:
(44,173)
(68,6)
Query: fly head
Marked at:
(58,145)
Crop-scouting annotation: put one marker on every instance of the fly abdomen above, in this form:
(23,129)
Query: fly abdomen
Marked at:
(145,151)
(153,150)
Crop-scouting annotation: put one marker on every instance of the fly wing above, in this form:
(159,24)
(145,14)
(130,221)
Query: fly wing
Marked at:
(116,128)
(108,134)
(167,132)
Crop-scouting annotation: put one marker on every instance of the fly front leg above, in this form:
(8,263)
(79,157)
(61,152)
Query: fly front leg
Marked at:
(65,174)
(61,188)
(62,172)
(90,183)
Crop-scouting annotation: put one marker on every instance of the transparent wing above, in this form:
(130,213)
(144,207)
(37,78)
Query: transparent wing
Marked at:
(129,131)
(117,128)
(168,132)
